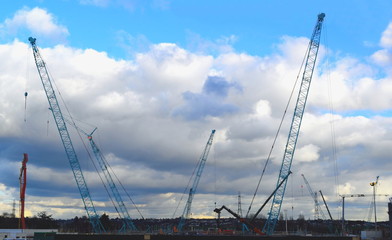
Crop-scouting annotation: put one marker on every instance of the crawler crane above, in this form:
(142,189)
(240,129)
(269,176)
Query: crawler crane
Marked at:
(128,224)
(66,139)
(313,48)
(203,158)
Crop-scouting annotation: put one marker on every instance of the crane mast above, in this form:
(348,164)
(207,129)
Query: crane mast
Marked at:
(66,139)
(200,167)
(313,48)
(22,182)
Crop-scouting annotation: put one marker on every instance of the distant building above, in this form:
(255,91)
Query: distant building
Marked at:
(28,234)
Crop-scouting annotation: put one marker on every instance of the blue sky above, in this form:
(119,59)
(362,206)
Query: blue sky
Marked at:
(252,27)
(156,76)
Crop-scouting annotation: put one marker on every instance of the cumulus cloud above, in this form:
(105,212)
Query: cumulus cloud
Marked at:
(155,112)
(208,103)
(308,153)
(386,38)
(37,21)
(383,56)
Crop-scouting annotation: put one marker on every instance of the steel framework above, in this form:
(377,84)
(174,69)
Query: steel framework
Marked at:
(313,48)
(66,139)
(192,191)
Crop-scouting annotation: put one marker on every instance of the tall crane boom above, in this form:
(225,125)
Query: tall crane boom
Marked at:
(313,48)
(123,211)
(200,167)
(66,139)
(317,208)
(23,182)
(326,205)
(128,224)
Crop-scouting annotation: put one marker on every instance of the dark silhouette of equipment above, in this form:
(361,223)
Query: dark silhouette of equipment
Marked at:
(22,183)
(250,223)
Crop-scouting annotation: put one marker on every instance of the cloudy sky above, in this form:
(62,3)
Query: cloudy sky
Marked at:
(157,76)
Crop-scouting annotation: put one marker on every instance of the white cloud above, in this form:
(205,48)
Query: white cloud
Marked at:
(386,38)
(154,151)
(308,153)
(37,21)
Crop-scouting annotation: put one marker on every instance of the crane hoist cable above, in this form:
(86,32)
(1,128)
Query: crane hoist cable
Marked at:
(295,126)
(187,187)
(25,105)
(277,133)
(203,158)
(122,186)
(69,118)
(65,138)
(113,193)
(95,166)
(101,158)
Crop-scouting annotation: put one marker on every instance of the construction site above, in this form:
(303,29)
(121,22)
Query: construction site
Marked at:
(233,224)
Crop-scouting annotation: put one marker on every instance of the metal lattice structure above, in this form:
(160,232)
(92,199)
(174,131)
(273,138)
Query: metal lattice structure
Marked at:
(317,208)
(66,139)
(128,224)
(313,48)
(203,158)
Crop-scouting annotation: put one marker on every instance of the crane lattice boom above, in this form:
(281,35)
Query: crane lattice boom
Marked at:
(317,208)
(119,205)
(128,224)
(273,215)
(192,191)
(66,139)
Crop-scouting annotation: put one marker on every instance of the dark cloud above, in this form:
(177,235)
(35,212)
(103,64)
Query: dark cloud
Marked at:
(211,102)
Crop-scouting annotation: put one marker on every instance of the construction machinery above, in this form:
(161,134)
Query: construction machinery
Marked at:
(317,208)
(374,185)
(245,221)
(250,224)
(354,195)
(22,184)
(66,139)
(310,63)
(326,205)
(128,224)
(200,167)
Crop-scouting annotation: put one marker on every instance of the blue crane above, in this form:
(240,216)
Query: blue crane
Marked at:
(66,139)
(313,48)
(119,204)
(202,161)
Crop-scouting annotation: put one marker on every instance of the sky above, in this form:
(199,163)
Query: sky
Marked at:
(155,77)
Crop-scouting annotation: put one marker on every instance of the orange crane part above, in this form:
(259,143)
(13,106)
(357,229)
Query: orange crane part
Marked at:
(22,182)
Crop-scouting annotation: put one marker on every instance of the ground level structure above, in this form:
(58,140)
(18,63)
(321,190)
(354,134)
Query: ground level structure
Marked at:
(185,237)
(10,234)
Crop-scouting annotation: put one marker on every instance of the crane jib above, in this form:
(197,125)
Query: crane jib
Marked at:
(313,48)
(66,139)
